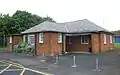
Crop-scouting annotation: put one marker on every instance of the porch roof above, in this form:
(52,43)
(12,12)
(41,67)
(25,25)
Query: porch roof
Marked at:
(14,35)
(78,34)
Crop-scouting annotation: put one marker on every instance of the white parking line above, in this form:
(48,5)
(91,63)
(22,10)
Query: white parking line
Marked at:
(5,69)
(14,70)
(10,63)
(38,71)
(3,65)
(22,72)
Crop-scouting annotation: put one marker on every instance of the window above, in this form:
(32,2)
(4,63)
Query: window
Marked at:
(105,39)
(41,38)
(84,39)
(111,40)
(10,41)
(31,39)
(70,41)
(24,38)
(59,38)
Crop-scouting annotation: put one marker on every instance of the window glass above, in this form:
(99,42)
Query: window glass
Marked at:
(31,39)
(84,39)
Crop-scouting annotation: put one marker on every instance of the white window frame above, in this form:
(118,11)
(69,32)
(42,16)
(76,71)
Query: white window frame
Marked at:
(29,38)
(105,38)
(84,36)
(111,39)
(10,39)
(59,37)
(24,38)
(41,37)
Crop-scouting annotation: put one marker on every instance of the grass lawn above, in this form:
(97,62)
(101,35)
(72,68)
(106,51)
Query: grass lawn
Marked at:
(117,45)
(3,49)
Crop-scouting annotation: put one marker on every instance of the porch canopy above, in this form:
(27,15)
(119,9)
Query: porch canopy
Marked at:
(77,42)
(77,34)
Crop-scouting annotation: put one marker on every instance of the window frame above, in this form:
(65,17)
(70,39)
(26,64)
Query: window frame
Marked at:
(111,39)
(41,38)
(85,38)
(105,38)
(59,38)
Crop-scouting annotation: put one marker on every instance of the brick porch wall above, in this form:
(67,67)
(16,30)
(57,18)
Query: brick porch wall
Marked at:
(16,39)
(95,43)
(76,44)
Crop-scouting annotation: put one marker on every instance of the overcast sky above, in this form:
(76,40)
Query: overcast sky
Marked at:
(105,13)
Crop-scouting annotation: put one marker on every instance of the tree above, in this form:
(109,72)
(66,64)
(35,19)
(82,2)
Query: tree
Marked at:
(19,21)
(48,19)
(22,20)
(4,20)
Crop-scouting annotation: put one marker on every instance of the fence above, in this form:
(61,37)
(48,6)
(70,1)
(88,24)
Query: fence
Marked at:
(117,39)
(3,42)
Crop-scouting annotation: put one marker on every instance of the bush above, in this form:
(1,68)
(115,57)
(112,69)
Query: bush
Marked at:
(24,47)
(30,49)
(21,47)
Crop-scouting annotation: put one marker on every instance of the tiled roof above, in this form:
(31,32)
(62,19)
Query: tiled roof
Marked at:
(78,26)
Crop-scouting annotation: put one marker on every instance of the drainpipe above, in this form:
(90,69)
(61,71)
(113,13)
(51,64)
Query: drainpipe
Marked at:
(50,43)
(100,42)
(36,40)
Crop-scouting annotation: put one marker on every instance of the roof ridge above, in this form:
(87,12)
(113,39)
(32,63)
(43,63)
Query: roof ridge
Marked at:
(75,20)
(66,27)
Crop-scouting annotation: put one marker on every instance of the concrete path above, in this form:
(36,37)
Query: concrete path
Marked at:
(108,63)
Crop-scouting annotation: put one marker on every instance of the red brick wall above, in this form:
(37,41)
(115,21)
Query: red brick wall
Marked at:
(55,46)
(50,45)
(108,45)
(16,39)
(10,47)
(95,43)
(98,43)
(42,47)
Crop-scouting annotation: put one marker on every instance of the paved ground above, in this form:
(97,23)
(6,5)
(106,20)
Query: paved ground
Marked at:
(108,63)
(11,68)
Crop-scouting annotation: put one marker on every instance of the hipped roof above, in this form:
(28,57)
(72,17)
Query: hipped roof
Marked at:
(78,26)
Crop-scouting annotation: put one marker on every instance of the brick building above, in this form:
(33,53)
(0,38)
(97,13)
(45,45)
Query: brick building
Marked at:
(76,36)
